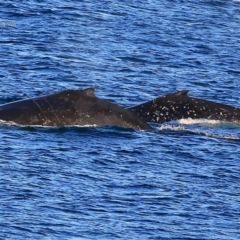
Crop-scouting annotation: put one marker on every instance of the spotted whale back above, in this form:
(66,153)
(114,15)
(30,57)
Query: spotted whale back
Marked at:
(179,105)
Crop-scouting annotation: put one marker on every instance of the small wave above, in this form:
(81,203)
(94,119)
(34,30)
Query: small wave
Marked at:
(181,128)
(164,127)
(221,136)
(78,238)
(10,123)
(205,122)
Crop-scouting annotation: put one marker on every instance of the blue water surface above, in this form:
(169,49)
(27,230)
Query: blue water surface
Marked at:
(179,181)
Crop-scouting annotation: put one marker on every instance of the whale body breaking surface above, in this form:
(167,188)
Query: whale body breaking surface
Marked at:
(83,108)
(70,107)
(179,105)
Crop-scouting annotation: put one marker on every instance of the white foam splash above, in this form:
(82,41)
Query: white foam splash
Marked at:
(190,121)
(8,123)
(177,128)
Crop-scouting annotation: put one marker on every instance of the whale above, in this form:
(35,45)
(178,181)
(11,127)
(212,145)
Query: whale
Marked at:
(83,108)
(68,108)
(179,105)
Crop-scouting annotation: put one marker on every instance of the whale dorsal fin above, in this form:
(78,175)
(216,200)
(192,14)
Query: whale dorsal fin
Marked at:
(90,92)
(181,93)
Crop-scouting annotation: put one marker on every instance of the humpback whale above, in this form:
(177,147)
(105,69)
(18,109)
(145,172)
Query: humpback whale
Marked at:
(82,107)
(179,105)
(70,107)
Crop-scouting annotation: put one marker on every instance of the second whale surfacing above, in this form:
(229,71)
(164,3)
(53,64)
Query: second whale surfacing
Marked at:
(69,108)
(179,105)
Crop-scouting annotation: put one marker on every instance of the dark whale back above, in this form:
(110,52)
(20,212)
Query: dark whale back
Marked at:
(70,107)
(179,105)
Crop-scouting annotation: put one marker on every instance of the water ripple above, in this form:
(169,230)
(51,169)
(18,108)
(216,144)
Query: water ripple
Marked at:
(179,181)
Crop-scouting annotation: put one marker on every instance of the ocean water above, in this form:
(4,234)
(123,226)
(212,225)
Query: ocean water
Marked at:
(179,181)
